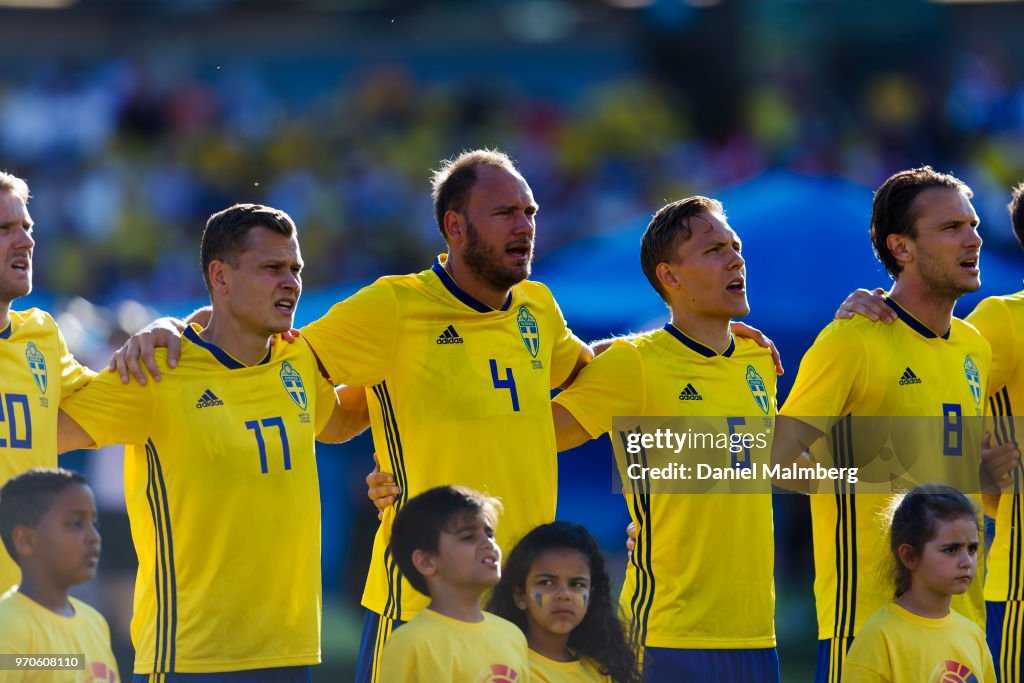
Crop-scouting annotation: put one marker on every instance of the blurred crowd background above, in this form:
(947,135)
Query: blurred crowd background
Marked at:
(133,121)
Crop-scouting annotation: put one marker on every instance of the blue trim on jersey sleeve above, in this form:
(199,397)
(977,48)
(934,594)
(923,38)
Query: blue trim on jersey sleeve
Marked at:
(695,345)
(913,323)
(220,354)
(461,294)
(6,332)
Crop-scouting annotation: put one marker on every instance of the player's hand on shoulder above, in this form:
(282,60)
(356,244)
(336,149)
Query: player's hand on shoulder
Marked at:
(630,538)
(747,332)
(871,305)
(381,488)
(137,352)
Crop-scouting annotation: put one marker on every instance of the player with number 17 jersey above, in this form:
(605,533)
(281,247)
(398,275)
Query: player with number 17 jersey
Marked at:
(459,393)
(219,470)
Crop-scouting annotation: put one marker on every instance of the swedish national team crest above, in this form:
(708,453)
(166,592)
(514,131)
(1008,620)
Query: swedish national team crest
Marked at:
(973,378)
(757,388)
(36,365)
(292,381)
(530,330)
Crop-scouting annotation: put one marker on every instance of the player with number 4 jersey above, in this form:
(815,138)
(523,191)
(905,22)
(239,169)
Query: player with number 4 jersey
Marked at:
(458,392)
(458,362)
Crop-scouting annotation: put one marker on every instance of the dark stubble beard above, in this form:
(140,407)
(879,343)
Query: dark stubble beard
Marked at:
(485,262)
(941,284)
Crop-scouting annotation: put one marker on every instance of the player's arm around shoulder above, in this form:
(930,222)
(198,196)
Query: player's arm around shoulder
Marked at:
(106,411)
(349,418)
(585,356)
(356,340)
(609,385)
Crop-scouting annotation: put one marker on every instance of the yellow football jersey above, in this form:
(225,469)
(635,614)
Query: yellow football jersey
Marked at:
(855,369)
(720,593)
(28,628)
(897,645)
(222,493)
(433,647)
(32,353)
(1001,320)
(458,393)
(544,670)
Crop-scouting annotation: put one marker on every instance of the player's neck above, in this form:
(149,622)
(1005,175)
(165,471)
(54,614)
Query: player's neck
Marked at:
(933,311)
(5,315)
(456,603)
(925,603)
(237,340)
(554,646)
(713,333)
(46,594)
(472,284)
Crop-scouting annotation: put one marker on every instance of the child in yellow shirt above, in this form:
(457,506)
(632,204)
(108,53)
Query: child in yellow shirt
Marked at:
(556,589)
(918,638)
(443,543)
(48,525)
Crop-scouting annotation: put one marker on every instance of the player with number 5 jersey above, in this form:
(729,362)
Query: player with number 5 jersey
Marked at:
(220,469)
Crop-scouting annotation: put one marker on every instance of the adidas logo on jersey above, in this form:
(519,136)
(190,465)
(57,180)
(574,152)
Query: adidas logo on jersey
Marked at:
(449,336)
(909,377)
(208,399)
(690,394)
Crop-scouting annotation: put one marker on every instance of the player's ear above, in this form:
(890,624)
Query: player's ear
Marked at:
(908,556)
(218,278)
(899,247)
(666,277)
(424,562)
(454,226)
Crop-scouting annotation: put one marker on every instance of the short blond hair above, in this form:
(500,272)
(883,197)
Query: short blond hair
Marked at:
(14,185)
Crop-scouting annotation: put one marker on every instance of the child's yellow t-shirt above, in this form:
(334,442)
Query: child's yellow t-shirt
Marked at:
(27,628)
(433,647)
(897,645)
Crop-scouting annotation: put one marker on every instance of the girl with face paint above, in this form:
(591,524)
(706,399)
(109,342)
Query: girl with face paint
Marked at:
(555,588)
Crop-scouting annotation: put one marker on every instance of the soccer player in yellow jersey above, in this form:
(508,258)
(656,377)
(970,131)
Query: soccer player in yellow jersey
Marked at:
(48,523)
(1000,319)
(37,369)
(220,470)
(928,364)
(709,615)
(459,361)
